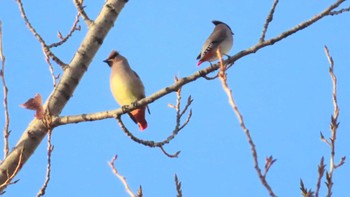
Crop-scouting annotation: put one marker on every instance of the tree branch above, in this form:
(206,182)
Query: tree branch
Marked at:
(120,177)
(44,46)
(36,130)
(81,11)
(228,91)
(74,28)
(185,80)
(6,131)
(269,18)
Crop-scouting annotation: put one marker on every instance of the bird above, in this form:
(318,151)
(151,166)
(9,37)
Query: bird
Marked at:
(126,87)
(220,39)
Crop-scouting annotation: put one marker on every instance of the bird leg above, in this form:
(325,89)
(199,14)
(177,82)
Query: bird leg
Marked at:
(227,56)
(124,108)
(134,104)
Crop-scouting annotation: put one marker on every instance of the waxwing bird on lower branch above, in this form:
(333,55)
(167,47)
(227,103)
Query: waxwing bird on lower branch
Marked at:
(220,39)
(126,87)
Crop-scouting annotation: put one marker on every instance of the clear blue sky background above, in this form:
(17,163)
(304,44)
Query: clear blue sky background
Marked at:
(283,92)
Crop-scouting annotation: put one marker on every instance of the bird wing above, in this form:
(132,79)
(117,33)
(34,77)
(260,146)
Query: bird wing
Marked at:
(215,38)
(143,96)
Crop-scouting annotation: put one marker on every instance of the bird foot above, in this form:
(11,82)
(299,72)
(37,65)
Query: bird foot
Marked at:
(134,104)
(227,56)
(124,108)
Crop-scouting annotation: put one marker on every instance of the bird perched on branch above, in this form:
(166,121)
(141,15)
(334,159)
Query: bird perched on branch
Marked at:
(220,39)
(126,87)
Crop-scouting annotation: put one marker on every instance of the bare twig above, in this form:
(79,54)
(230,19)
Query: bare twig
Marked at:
(325,140)
(120,177)
(178,187)
(6,131)
(52,72)
(48,168)
(148,143)
(170,155)
(139,192)
(333,126)
(45,48)
(81,11)
(304,191)
(339,11)
(177,129)
(341,162)
(269,161)
(207,77)
(269,18)
(74,28)
(223,78)
(285,34)
(10,177)
(321,170)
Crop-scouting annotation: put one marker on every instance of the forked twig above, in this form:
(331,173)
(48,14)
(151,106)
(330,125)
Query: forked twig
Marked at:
(44,46)
(333,126)
(80,8)
(52,72)
(336,12)
(269,18)
(177,129)
(74,28)
(120,177)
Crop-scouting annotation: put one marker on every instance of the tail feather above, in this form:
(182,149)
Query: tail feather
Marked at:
(138,116)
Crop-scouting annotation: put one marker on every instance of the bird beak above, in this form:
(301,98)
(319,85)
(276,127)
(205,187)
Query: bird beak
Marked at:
(108,62)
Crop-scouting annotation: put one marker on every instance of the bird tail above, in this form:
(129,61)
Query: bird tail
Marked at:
(138,116)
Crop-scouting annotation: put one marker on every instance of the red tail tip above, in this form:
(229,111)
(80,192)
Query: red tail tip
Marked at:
(142,126)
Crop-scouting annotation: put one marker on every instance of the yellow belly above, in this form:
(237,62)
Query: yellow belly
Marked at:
(125,91)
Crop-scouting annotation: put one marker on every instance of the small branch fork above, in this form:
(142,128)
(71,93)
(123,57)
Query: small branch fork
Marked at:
(269,19)
(44,46)
(123,179)
(6,131)
(330,142)
(81,11)
(47,48)
(177,129)
(333,127)
(269,160)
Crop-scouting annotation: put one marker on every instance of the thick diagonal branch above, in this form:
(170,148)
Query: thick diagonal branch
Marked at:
(36,130)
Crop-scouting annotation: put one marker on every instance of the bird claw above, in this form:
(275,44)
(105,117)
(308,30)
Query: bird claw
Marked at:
(134,104)
(124,108)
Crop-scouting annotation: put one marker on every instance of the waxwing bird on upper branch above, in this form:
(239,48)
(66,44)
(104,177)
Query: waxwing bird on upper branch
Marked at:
(126,87)
(220,39)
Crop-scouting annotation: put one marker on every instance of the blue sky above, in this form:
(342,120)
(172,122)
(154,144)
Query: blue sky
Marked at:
(283,92)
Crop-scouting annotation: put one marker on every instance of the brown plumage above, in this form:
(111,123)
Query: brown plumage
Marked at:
(220,39)
(126,86)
